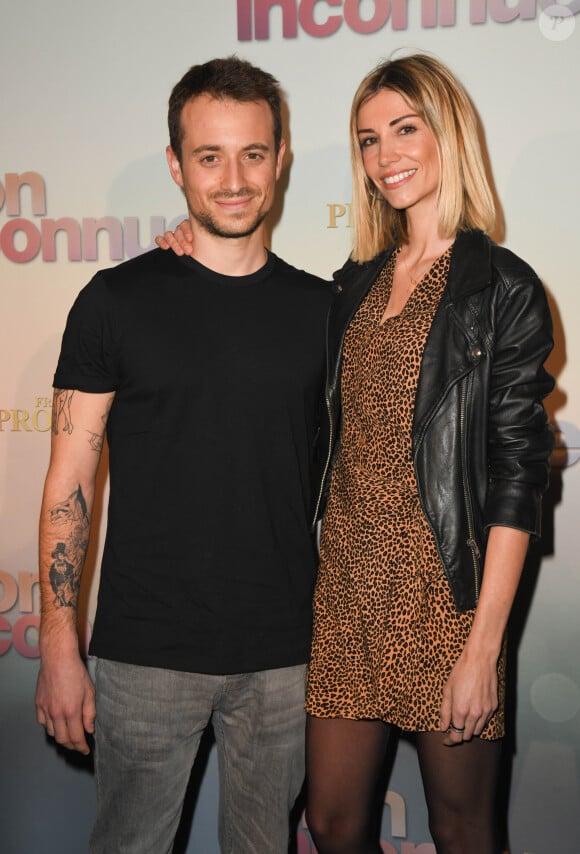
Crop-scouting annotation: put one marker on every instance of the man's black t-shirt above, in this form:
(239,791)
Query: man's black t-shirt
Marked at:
(209,563)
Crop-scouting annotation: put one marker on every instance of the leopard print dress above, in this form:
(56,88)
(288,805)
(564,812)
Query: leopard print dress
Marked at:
(386,629)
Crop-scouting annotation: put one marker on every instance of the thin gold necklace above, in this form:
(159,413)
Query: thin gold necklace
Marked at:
(414,282)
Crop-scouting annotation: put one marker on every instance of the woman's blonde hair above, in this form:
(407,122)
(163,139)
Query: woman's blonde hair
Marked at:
(464,198)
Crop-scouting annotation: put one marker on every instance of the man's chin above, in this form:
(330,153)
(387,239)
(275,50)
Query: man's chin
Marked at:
(229,230)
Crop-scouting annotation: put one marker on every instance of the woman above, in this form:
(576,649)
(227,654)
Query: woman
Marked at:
(438,457)
(437,340)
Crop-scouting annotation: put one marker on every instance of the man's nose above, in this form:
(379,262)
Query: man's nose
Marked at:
(232,178)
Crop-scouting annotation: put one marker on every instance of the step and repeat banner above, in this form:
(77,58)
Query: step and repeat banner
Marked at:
(84,184)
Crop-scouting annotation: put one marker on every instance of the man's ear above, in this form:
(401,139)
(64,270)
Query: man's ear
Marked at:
(174,166)
(280,158)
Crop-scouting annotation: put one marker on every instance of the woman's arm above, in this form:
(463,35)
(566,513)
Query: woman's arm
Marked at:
(519,444)
(470,694)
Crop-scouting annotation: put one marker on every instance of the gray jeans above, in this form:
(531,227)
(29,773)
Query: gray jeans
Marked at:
(148,728)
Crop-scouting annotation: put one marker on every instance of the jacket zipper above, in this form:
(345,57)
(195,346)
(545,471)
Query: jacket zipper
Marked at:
(328,458)
(471,540)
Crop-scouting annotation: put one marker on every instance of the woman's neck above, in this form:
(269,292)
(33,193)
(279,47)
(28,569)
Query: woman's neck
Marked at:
(424,242)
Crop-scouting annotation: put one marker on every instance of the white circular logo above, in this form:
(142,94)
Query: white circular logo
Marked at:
(557,22)
(555,697)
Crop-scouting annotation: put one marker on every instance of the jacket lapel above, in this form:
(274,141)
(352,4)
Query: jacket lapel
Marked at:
(352,283)
(449,349)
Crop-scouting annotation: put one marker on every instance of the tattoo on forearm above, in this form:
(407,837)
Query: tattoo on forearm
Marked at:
(96,440)
(61,404)
(69,553)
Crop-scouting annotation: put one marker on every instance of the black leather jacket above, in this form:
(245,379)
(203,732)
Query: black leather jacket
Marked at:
(480,439)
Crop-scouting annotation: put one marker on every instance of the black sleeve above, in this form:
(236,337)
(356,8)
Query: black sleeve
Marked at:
(87,359)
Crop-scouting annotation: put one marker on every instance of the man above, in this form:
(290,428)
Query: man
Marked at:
(206,373)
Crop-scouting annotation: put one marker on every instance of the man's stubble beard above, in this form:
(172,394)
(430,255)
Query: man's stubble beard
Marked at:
(209,224)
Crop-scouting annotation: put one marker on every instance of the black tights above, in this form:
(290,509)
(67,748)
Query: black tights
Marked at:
(344,762)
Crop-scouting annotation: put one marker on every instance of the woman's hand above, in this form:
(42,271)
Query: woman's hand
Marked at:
(180,240)
(469,697)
